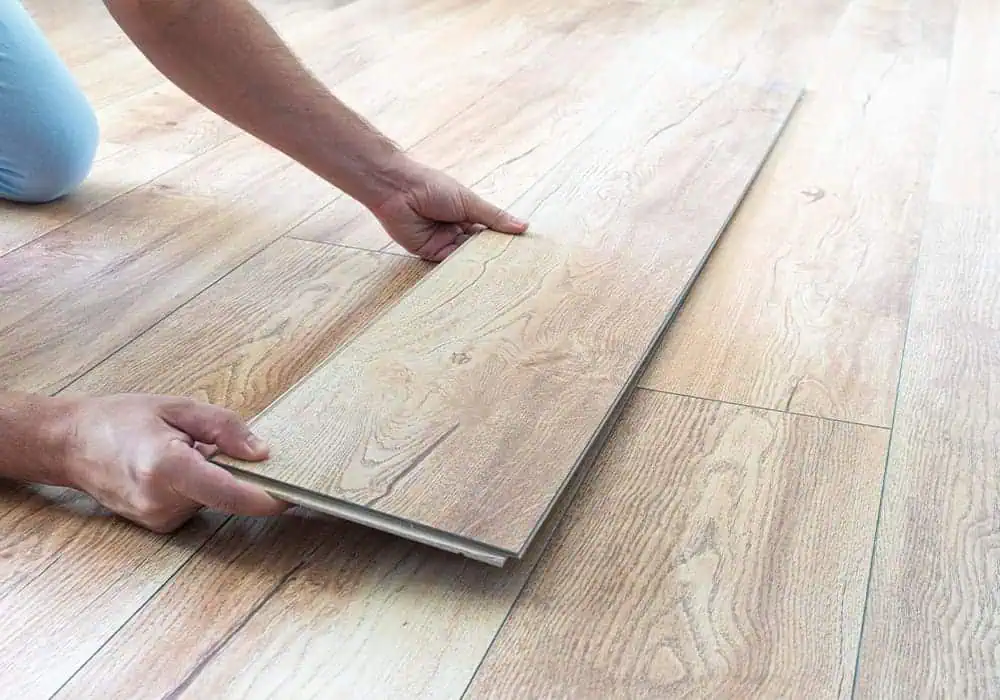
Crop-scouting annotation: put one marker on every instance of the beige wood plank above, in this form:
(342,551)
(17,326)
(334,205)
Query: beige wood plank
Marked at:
(111,274)
(370,605)
(511,137)
(118,270)
(814,275)
(968,163)
(72,574)
(427,411)
(368,32)
(713,551)
(933,615)
(118,169)
(295,302)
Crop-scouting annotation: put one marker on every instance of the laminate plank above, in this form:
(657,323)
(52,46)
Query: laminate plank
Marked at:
(294,301)
(968,162)
(933,614)
(815,272)
(713,551)
(511,137)
(111,274)
(118,169)
(120,269)
(427,410)
(368,31)
(382,615)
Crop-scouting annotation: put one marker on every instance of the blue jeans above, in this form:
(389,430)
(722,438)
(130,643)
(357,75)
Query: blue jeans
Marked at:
(48,131)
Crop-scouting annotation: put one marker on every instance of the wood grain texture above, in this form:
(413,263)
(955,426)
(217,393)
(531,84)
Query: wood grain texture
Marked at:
(932,627)
(968,162)
(712,551)
(299,602)
(118,169)
(511,137)
(368,32)
(111,274)
(296,301)
(430,408)
(815,272)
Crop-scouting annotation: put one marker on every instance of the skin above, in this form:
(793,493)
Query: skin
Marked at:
(144,457)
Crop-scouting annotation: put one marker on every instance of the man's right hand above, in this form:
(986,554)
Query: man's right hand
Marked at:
(144,457)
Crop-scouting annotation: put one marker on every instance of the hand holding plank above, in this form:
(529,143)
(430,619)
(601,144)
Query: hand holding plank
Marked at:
(144,457)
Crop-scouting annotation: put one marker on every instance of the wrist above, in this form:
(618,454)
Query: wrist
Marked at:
(34,432)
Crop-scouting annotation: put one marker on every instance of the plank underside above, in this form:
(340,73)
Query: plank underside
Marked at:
(458,417)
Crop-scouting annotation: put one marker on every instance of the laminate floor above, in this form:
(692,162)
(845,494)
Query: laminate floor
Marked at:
(801,501)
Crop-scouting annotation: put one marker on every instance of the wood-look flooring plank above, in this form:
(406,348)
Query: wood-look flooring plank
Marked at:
(814,275)
(932,627)
(968,163)
(121,268)
(115,272)
(73,575)
(380,614)
(368,32)
(494,375)
(511,137)
(296,302)
(712,551)
(118,169)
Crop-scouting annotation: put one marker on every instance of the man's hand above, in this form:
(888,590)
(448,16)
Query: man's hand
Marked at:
(432,214)
(144,457)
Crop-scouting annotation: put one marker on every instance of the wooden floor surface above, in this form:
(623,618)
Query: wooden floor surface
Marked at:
(801,501)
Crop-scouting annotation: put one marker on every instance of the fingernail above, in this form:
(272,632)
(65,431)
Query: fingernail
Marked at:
(256,444)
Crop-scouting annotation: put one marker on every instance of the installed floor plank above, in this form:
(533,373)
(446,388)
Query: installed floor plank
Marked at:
(428,410)
(713,551)
(296,301)
(814,274)
(118,169)
(933,621)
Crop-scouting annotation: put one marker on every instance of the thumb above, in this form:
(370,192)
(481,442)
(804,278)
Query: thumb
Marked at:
(479,211)
(214,425)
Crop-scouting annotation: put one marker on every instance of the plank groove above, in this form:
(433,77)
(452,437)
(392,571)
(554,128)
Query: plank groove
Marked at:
(426,411)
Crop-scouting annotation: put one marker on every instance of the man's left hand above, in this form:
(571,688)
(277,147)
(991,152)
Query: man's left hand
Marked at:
(432,215)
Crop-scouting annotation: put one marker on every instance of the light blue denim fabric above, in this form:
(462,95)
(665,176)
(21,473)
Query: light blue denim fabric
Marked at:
(48,130)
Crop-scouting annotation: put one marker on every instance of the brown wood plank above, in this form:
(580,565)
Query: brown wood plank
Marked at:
(73,574)
(814,274)
(497,372)
(713,551)
(934,601)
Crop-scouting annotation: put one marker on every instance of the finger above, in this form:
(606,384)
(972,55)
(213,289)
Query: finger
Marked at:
(472,229)
(194,478)
(441,240)
(214,425)
(482,212)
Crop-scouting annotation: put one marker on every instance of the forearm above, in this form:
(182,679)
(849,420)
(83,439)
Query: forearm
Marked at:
(29,430)
(226,56)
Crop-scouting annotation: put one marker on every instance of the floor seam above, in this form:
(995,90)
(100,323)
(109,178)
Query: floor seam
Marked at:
(350,247)
(830,419)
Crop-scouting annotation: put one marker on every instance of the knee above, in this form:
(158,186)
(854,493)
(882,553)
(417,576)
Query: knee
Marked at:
(56,156)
